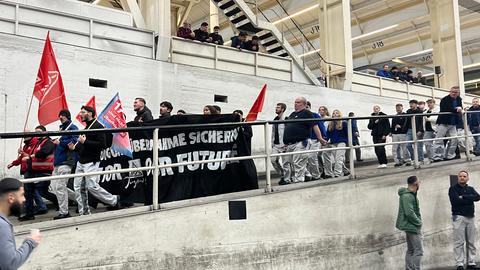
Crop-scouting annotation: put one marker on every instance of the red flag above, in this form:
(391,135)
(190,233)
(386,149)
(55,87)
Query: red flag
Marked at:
(90,103)
(49,87)
(257,106)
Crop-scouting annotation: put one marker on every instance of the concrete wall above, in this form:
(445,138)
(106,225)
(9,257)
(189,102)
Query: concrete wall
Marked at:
(188,88)
(346,225)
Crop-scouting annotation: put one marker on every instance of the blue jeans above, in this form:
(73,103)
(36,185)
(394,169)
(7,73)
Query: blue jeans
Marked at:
(33,196)
(419,145)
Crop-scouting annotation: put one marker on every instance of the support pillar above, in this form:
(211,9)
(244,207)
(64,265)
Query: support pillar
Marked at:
(213,16)
(157,15)
(446,39)
(335,43)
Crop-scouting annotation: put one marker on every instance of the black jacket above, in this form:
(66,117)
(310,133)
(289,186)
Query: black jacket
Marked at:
(418,120)
(90,150)
(216,38)
(381,128)
(464,206)
(201,35)
(144,115)
(446,105)
(399,120)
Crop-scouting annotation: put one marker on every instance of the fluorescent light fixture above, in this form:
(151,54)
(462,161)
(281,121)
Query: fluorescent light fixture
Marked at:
(96,2)
(300,12)
(374,32)
(308,53)
(471,65)
(416,53)
(472,81)
(227,42)
(428,74)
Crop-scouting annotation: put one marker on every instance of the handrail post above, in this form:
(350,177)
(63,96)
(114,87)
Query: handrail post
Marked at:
(90,33)
(415,146)
(268,158)
(380,85)
(433,92)
(408,92)
(351,150)
(156,169)
(467,141)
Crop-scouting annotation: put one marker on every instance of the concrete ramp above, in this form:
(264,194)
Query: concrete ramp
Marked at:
(348,224)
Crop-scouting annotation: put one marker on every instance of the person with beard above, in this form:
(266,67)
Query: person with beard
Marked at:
(89,147)
(409,220)
(165,109)
(143,112)
(11,201)
(380,128)
(418,122)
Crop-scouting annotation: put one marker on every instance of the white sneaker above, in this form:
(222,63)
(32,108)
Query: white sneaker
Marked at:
(382,166)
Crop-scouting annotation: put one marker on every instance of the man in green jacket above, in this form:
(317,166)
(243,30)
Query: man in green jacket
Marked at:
(409,220)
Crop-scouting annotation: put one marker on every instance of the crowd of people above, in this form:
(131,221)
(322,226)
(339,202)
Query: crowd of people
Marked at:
(404,74)
(298,136)
(201,34)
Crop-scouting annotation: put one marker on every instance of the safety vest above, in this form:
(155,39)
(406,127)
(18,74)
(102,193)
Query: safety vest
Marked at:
(45,164)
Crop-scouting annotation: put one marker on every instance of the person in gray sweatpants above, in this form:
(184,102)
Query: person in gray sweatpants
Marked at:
(89,147)
(462,197)
(409,220)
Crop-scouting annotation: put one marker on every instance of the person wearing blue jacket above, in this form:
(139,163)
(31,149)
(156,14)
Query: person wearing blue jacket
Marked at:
(64,161)
(384,72)
(474,123)
(337,133)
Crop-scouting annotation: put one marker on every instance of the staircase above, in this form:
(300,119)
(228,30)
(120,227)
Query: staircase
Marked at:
(242,17)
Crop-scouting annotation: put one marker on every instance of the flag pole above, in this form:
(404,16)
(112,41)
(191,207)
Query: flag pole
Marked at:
(26,119)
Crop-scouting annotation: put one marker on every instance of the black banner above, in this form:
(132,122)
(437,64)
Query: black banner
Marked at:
(176,145)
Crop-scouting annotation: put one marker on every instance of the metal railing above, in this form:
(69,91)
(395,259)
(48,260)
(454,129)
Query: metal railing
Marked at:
(33,22)
(267,154)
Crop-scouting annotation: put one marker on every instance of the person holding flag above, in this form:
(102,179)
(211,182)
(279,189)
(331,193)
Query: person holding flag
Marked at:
(64,162)
(89,147)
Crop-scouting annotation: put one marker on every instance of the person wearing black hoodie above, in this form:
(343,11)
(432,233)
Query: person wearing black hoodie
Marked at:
(399,134)
(89,147)
(414,109)
(143,112)
(380,128)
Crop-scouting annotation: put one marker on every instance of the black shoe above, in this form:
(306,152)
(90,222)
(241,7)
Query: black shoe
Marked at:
(41,212)
(26,218)
(398,165)
(472,267)
(62,216)
(359,160)
(283,182)
(117,206)
(346,174)
(328,176)
(308,178)
(460,268)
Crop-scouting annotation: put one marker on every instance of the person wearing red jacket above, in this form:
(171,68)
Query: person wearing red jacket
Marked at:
(39,164)
(29,143)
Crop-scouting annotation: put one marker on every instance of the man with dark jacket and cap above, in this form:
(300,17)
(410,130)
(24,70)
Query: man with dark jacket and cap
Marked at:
(143,112)
(64,161)
(11,202)
(89,147)
(447,125)
(380,128)
(409,220)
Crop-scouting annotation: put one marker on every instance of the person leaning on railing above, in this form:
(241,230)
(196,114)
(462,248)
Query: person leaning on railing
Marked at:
(185,31)
(446,125)
(474,123)
(380,128)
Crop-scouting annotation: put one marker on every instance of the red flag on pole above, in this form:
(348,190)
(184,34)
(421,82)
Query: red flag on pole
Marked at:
(90,103)
(257,106)
(49,87)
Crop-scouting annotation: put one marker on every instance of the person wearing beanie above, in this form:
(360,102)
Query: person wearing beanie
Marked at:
(64,162)
(11,201)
